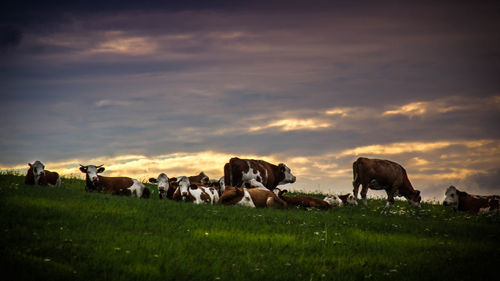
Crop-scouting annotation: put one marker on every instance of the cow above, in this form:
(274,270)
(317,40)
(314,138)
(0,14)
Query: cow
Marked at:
(37,175)
(333,200)
(302,201)
(462,201)
(256,173)
(198,179)
(198,194)
(348,199)
(166,186)
(113,185)
(251,197)
(217,184)
(383,174)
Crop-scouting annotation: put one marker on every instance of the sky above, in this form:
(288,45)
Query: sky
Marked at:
(182,86)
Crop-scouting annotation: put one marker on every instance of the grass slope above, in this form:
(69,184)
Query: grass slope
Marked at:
(66,233)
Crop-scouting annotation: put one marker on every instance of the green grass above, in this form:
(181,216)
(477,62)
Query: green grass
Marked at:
(68,234)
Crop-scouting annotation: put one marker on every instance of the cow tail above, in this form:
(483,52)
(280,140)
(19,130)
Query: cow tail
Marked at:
(228,176)
(355,172)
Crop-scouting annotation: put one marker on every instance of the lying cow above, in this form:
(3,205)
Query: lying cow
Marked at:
(302,201)
(198,179)
(197,194)
(383,174)
(251,197)
(166,186)
(463,201)
(256,173)
(113,185)
(37,175)
(341,200)
(217,184)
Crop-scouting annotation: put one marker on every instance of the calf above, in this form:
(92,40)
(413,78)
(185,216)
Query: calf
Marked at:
(257,173)
(348,199)
(166,186)
(251,197)
(463,201)
(113,185)
(197,194)
(37,175)
(383,174)
(302,201)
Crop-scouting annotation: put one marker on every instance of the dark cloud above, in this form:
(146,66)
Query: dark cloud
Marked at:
(10,37)
(487,182)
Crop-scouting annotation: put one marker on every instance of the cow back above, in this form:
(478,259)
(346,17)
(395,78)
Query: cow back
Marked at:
(114,184)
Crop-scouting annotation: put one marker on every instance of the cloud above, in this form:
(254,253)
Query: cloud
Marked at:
(440,106)
(294,125)
(408,147)
(106,102)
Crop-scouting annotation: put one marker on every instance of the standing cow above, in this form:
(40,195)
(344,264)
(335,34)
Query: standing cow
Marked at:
(37,175)
(256,173)
(383,174)
(113,185)
(463,201)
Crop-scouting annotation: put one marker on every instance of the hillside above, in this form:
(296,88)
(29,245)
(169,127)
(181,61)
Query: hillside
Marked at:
(68,234)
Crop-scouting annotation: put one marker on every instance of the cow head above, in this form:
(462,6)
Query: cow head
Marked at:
(91,172)
(184,187)
(333,200)
(222,185)
(414,199)
(286,174)
(451,197)
(163,184)
(351,200)
(38,170)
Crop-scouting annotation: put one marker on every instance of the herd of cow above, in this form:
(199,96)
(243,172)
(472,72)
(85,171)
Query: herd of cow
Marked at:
(254,183)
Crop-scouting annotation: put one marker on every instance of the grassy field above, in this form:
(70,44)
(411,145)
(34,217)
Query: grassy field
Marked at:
(68,234)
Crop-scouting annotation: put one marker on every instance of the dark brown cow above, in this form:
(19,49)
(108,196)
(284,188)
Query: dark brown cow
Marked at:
(256,173)
(251,197)
(463,201)
(383,174)
(113,185)
(37,175)
(302,201)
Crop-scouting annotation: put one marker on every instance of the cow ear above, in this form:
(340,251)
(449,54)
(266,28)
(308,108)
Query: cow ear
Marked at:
(83,169)
(193,186)
(153,180)
(29,164)
(282,167)
(100,170)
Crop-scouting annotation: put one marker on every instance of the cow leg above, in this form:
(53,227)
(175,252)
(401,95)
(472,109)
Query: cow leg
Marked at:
(390,196)
(364,191)
(355,184)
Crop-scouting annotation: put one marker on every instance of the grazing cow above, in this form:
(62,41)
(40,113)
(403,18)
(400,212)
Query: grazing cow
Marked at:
(166,186)
(383,174)
(463,201)
(197,194)
(251,197)
(37,175)
(256,173)
(302,201)
(113,185)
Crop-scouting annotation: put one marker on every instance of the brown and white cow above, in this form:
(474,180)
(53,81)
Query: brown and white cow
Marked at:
(198,194)
(198,179)
(348,200)
(302,201)
(37,175)
(256,173)
(166,185)
(251,197)
(383,174)
(113,185)
(217,184)
(464,201)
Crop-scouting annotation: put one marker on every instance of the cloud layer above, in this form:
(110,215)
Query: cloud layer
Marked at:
(141,87)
